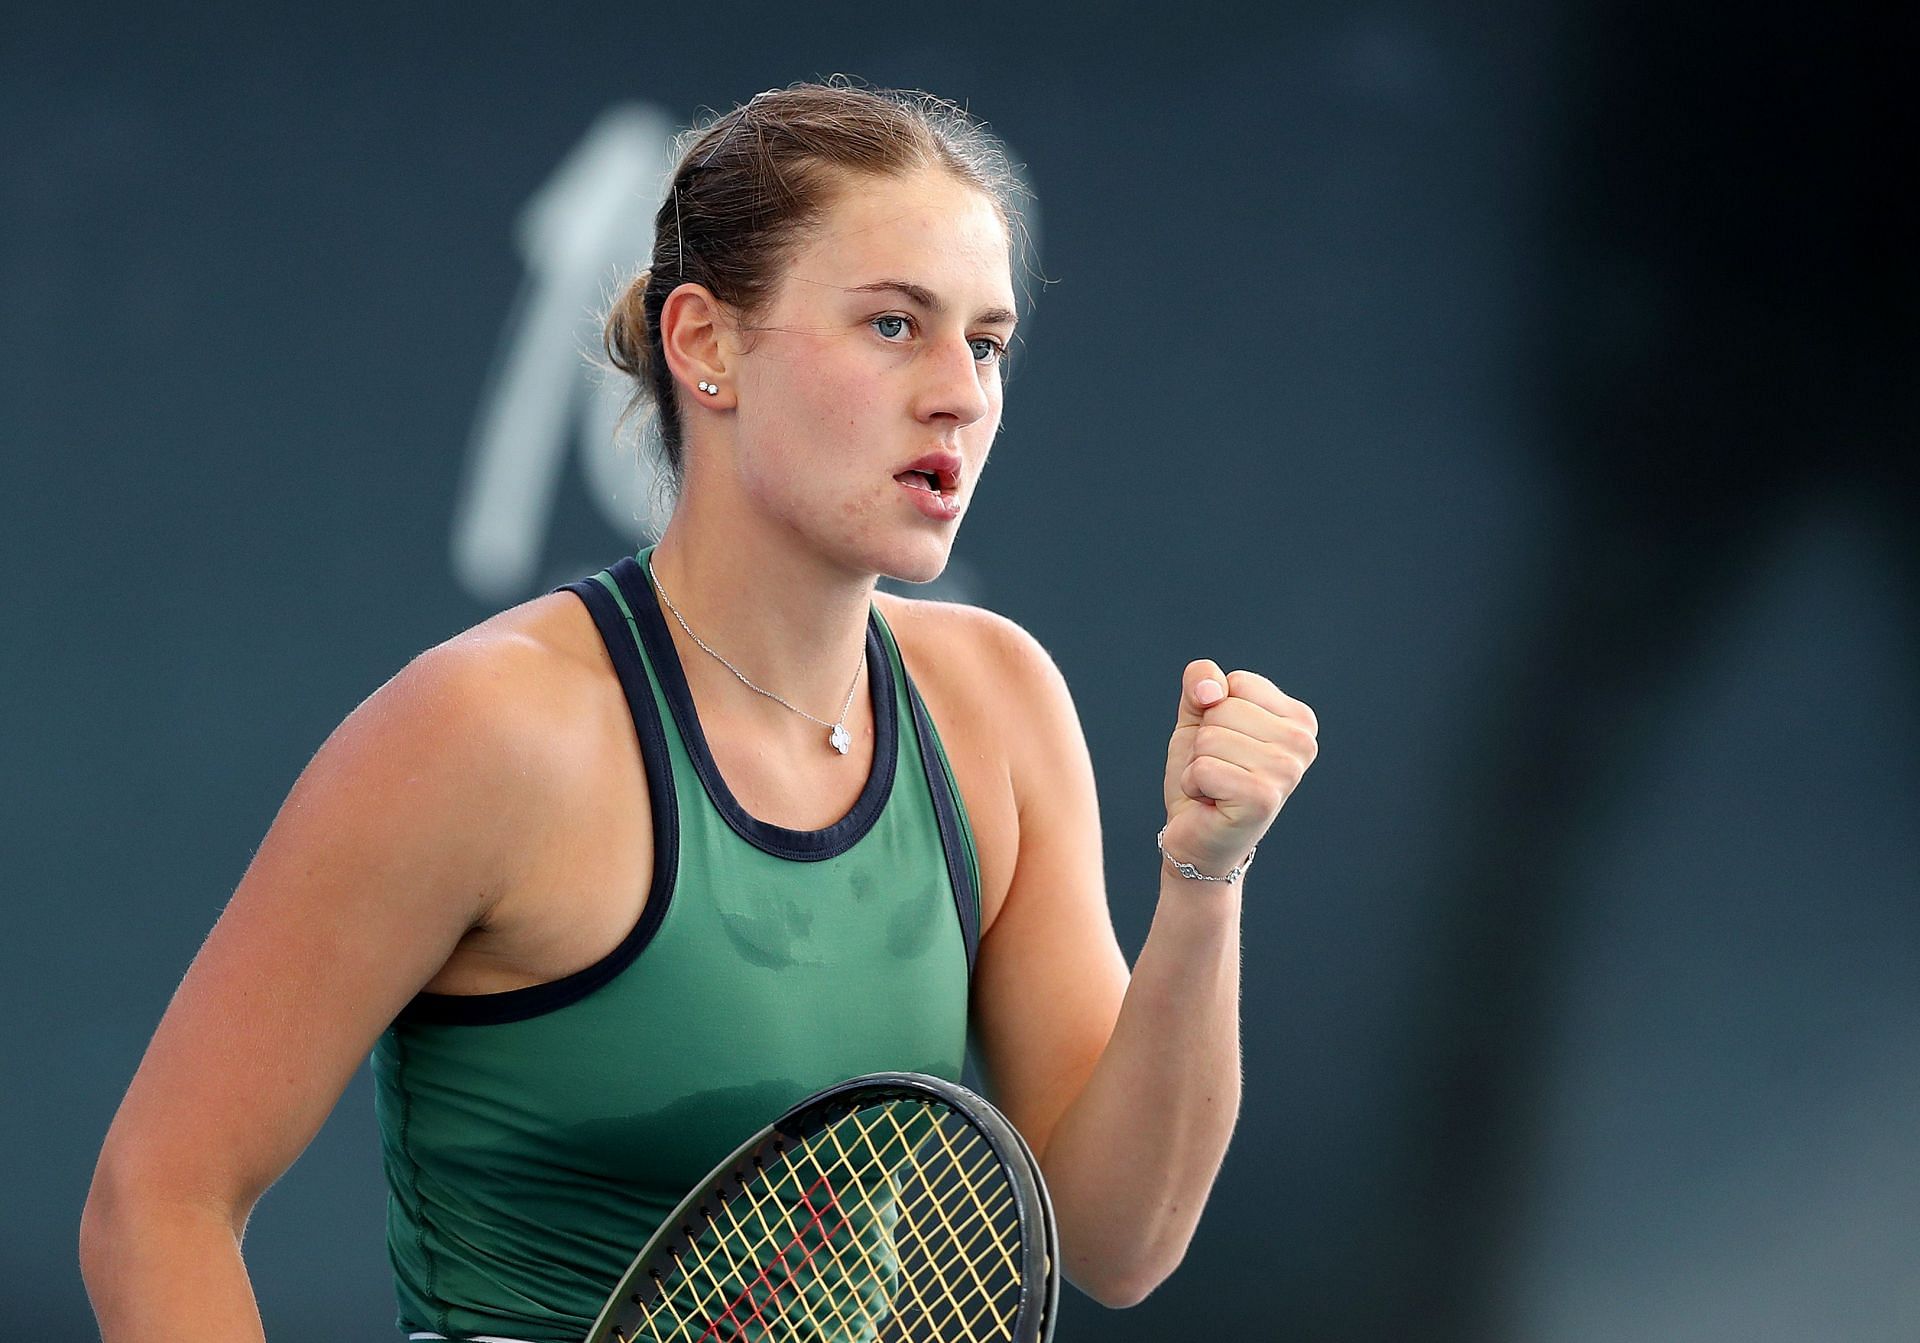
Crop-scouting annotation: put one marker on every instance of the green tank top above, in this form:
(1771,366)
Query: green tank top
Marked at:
(534,1139)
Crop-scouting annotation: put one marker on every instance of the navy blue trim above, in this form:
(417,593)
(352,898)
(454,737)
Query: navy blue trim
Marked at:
(488,1009)
(959,873)
(809,846)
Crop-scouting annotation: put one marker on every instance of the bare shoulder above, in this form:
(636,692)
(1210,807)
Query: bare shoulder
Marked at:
(478,735)
(525,699)
(546,644)
(970,638)
(974,657)
(531,676)
(991,663)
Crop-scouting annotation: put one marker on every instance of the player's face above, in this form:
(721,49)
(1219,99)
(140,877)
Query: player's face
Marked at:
(883,342)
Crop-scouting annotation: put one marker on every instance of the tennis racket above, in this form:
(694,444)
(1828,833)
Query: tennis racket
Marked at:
(892,1208)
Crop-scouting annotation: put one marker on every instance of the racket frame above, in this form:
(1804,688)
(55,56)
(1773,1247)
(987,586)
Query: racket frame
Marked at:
(1039,1236)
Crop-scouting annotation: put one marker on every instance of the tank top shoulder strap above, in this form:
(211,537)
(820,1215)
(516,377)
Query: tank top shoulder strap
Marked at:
(956,833)
(613,620)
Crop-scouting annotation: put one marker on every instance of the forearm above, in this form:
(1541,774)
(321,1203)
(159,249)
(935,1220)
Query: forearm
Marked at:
(1130,1162)
(160,1272)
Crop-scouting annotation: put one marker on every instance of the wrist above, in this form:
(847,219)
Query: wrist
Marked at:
(1204,908)
(1182,870)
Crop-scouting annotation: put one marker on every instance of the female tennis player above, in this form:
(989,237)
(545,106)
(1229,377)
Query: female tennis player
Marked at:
(607,881)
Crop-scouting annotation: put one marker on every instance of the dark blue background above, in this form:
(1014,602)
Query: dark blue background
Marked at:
(1438,362)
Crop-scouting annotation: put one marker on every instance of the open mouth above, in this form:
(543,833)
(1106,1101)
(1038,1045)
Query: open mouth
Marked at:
(922,480)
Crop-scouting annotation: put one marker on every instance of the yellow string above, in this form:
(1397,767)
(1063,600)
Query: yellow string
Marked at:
(805,1254)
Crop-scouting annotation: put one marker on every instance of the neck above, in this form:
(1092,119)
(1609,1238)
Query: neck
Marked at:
(794,625)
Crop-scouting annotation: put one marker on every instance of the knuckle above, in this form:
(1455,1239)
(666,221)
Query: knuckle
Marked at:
(1241,681)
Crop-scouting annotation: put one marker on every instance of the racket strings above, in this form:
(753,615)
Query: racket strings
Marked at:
(950,1243)
(893,1223)
(754,1259)
(957,1312)
(765,1275)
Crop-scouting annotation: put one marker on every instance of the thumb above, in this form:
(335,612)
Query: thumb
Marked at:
(1202,686)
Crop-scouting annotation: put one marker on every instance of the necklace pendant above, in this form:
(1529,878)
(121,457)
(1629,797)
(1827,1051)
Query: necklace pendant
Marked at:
(839,738)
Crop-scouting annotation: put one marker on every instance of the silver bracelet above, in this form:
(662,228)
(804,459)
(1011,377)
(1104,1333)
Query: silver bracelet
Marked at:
(1190,871)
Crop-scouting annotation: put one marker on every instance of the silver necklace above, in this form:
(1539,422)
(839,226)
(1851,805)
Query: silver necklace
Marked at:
(838,738)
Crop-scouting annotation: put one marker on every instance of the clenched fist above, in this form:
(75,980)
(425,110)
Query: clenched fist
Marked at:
(1239,749)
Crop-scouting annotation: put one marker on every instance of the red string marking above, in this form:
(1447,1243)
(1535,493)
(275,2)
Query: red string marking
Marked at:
(816,1214)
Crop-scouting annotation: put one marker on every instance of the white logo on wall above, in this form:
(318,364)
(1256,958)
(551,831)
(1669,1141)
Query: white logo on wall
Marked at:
(588,227)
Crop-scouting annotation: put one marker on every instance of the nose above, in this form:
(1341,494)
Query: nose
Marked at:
(954,386)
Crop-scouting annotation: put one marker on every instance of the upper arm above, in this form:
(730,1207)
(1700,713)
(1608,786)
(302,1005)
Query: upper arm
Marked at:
(1050,974)
(387,850)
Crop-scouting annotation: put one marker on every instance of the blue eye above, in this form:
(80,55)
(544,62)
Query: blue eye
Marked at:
(986,349)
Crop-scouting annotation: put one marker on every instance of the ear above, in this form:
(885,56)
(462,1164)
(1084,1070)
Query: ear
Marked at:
(696,335)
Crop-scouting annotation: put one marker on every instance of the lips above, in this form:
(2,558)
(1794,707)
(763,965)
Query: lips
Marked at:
(944,467)
(940,505)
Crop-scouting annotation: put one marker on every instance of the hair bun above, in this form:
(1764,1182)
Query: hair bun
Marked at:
(626,329)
